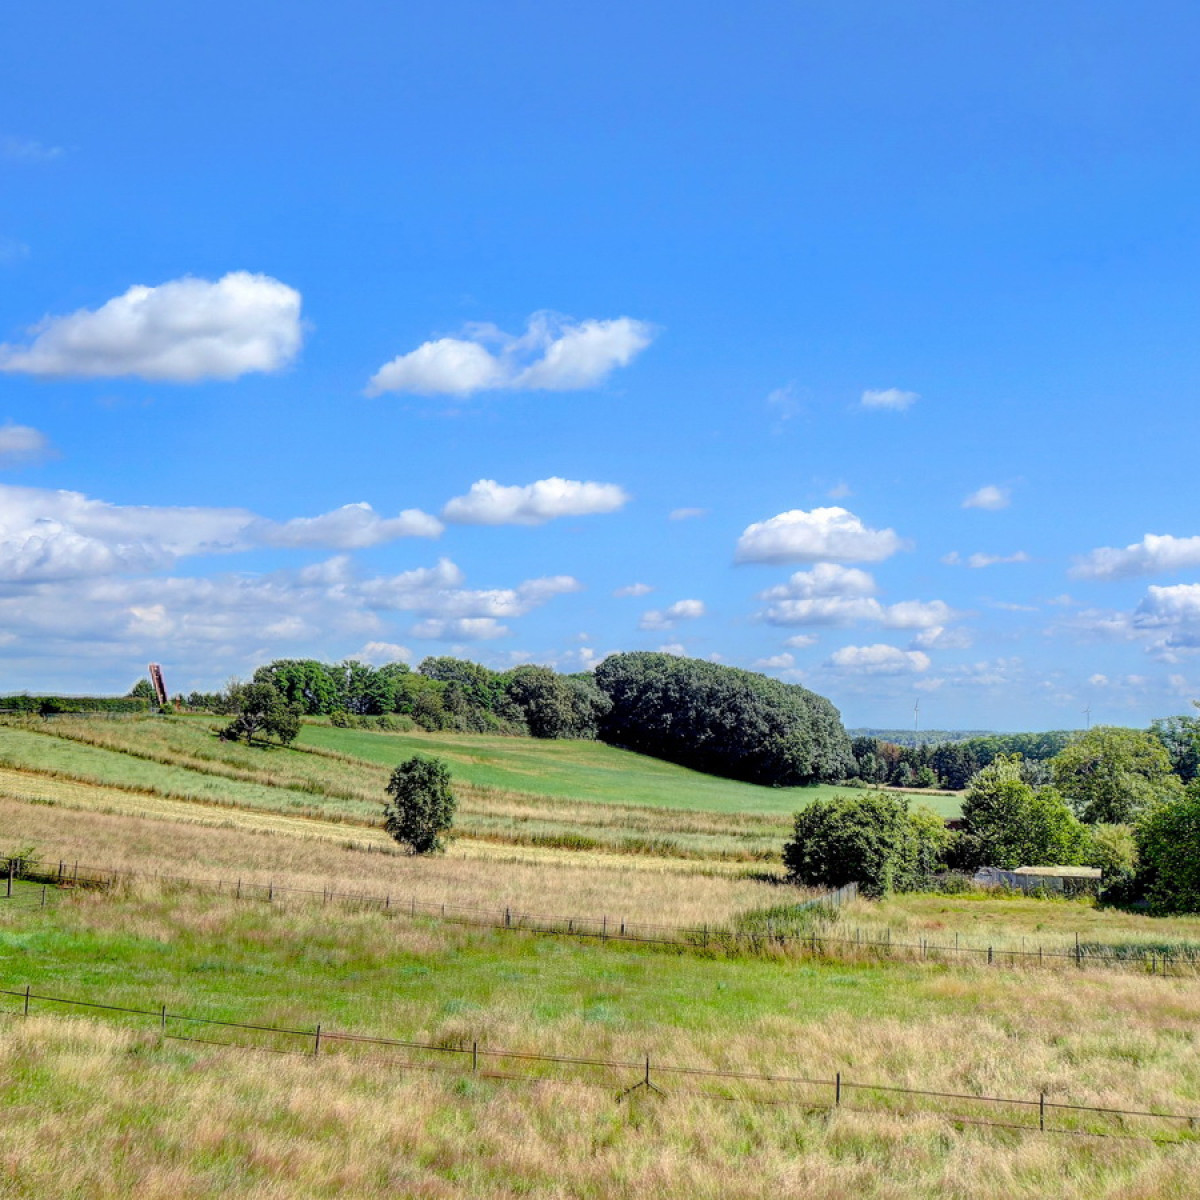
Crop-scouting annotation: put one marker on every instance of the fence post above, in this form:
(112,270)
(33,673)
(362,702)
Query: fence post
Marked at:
(507,918)
(162,1020)
(603,928)
(43,895)
(11,867)
(1042,1112)
(26,1000)
(837,1090)
(317,1041)
(270,890)
(989,956)
(474,1056)
(1078,952)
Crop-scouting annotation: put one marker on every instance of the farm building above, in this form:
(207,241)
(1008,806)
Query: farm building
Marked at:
(1031,879)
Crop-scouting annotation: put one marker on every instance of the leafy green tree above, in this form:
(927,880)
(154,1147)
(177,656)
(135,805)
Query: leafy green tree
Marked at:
(1113,848)
(1111,775)
(722,720)
(1180,737)
(303,682)
(421,804)
(1168,841)
(1006,823)
(261,712)
(866,838)
(143,690)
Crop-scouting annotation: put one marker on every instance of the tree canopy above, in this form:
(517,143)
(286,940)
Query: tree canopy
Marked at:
(421,804)
(1111,774)
(1006,823)
(722,720)
(1168,842)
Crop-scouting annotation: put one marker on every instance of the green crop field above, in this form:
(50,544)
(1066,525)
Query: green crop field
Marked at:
(589,771)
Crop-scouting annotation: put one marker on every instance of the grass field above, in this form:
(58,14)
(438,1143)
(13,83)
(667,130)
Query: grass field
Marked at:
(100,1107)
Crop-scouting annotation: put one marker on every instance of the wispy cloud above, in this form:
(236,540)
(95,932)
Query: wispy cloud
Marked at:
(21,445)
(890,399)
(989,497)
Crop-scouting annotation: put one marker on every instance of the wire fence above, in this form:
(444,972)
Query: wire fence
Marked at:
(628,1077)
(770,935)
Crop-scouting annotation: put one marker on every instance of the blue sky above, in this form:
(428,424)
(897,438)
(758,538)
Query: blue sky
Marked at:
(850,342)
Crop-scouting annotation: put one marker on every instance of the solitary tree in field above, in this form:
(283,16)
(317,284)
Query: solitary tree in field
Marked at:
(421,804)
(261,712)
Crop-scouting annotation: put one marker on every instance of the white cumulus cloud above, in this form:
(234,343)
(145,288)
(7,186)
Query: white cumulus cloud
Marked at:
(181,331)
(667,618)
(831,534)
(878,659)
(776,662)
(351,527)
(554,354)
(889,398)
(834,595)
(490,503)
(380,653)
(633,589)
(46,534)
(1154,553)
(989,497)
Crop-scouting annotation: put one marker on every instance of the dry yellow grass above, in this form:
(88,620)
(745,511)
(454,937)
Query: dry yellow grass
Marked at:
(177,838)
(186,1123)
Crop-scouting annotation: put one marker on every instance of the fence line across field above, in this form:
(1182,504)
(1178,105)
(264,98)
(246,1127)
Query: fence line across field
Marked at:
(830,1093)
(1174,961)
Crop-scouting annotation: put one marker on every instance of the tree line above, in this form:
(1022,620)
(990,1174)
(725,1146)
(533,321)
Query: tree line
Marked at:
(717,719)
(1113,798)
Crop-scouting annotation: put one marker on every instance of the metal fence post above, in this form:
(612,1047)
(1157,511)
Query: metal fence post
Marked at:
(837,1090)
(317,1041)
(1042,1112)
(26,1013)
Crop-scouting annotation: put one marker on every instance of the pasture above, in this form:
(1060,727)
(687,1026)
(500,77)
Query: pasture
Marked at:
(100,1104)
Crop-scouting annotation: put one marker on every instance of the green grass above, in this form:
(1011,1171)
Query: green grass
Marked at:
(583,771)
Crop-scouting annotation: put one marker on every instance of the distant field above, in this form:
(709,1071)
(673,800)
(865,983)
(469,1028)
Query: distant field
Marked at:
(589,771)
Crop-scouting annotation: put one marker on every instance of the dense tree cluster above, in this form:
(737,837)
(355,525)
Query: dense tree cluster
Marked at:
(721,720)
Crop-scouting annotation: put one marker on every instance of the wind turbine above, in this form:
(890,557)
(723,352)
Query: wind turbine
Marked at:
(916,714)
(1087,712)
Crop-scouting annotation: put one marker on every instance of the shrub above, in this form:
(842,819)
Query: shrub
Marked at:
(1168,842)
(1008,824)
(421,807)
(872,840)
